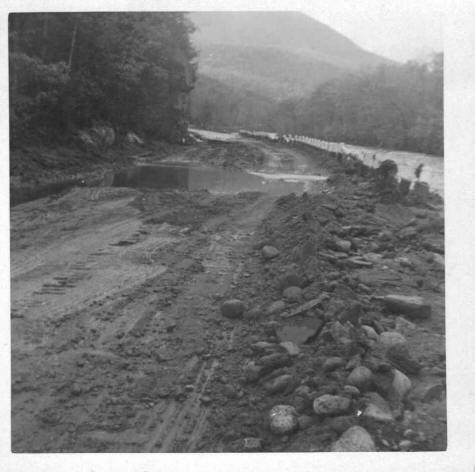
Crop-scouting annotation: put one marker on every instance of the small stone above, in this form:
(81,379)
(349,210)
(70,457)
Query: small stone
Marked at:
(270,252)
(399,356)
(404,262)
(252,444)
(429,392)
(358,263)
(290,279)
(413,306)
(292,294)
(232,308)
(261,346)
(339,332)
(251,372)
(253,314)
(354,362)
(351,390)
(333,363)
(377,408)
(391,338)
(354,439)
(408,233)
(360,377)
(370,332)
(273,361)
(283,419)
(291,348)
(276,307)
(340,424)
(279,384)
(405,445)
(404,326)
(342,245)
(300,333)
(401,384)
(303,391)
(364,288)
(205,400)
(331,405)
(305,421)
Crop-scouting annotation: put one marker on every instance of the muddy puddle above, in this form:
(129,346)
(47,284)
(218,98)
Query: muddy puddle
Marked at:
(189,177)
(183,176)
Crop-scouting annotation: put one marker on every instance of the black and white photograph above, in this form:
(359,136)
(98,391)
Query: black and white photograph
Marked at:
(227,229)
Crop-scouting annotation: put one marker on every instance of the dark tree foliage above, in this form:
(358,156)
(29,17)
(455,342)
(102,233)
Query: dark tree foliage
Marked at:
(69,71)
(218,105)
(396,106)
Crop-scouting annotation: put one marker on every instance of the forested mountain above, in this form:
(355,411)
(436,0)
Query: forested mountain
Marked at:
(288,31)
(68,71)
(396,106)
(271,55)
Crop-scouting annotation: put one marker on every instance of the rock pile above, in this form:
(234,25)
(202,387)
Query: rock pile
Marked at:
(339,359)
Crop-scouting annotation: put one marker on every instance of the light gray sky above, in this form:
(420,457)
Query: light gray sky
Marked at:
(400,30)
(397,29)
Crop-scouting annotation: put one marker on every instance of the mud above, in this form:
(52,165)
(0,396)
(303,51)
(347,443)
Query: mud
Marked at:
(119,344)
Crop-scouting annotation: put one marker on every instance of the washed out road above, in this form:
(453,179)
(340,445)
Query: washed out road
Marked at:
(118,339)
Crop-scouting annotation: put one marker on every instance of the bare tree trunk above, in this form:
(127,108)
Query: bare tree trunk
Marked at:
(73,43)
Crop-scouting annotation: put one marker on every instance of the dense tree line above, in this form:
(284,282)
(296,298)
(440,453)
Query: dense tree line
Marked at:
(69,71)
(396,106)
(393,106)
(217,105)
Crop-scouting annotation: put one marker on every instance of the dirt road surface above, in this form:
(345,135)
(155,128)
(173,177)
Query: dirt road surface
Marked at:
(118,341)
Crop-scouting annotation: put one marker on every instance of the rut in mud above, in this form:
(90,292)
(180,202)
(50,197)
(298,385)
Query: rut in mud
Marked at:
(118,340)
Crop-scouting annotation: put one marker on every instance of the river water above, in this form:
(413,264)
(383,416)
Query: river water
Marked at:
(407,162)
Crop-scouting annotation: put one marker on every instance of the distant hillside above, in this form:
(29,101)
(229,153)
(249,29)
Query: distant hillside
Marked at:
(278,54)
(272,72)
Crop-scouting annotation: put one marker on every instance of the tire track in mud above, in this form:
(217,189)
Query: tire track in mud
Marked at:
(182,426)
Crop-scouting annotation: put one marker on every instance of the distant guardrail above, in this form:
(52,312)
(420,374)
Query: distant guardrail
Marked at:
(407,162)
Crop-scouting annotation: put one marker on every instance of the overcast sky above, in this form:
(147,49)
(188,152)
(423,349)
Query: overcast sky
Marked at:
(400,30)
